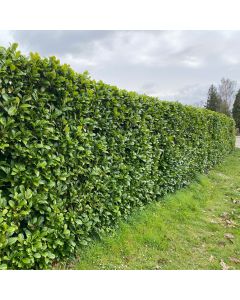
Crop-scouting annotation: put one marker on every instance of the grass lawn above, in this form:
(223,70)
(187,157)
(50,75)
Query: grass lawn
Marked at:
(196,228)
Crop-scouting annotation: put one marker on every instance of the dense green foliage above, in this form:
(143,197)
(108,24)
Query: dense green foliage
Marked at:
(76,155)
(236,110)
(188,229)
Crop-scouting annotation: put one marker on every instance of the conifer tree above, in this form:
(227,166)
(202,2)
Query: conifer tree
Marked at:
(213,101)
(236,110)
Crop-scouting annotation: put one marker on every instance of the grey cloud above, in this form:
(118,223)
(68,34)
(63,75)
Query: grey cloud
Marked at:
(173,65)
(61,42)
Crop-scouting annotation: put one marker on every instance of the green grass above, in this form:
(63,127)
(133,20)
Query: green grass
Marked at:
(185,230)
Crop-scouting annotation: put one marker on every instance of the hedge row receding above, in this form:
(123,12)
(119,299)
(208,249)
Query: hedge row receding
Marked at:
(76,155)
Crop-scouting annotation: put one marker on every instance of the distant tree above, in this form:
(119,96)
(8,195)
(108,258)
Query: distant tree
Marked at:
(236,110)
(224,108)
(213,100)
(226,93)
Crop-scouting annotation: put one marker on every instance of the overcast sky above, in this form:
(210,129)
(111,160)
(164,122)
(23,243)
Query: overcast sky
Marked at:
(172,65)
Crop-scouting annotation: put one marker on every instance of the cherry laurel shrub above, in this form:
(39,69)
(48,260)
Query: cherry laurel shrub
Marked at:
(76,155)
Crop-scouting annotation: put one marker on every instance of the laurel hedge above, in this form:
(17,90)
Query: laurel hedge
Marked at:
(76,155)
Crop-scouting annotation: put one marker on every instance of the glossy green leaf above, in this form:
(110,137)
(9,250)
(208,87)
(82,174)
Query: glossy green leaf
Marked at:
(78,155)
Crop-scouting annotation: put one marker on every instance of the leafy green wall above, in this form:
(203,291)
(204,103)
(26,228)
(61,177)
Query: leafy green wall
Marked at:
(76,155)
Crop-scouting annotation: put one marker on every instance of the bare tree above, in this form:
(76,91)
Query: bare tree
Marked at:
(227,91)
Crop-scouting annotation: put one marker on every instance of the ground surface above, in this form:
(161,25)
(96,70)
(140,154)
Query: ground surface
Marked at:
(238,141)
(196,228)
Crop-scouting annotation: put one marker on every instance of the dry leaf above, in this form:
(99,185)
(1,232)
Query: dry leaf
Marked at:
(234,260)
(221,243)
(161,261)
(229,236)
(213,222)
(224,215)
(211,258)
(236,201)
(223,265)
(230,223)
